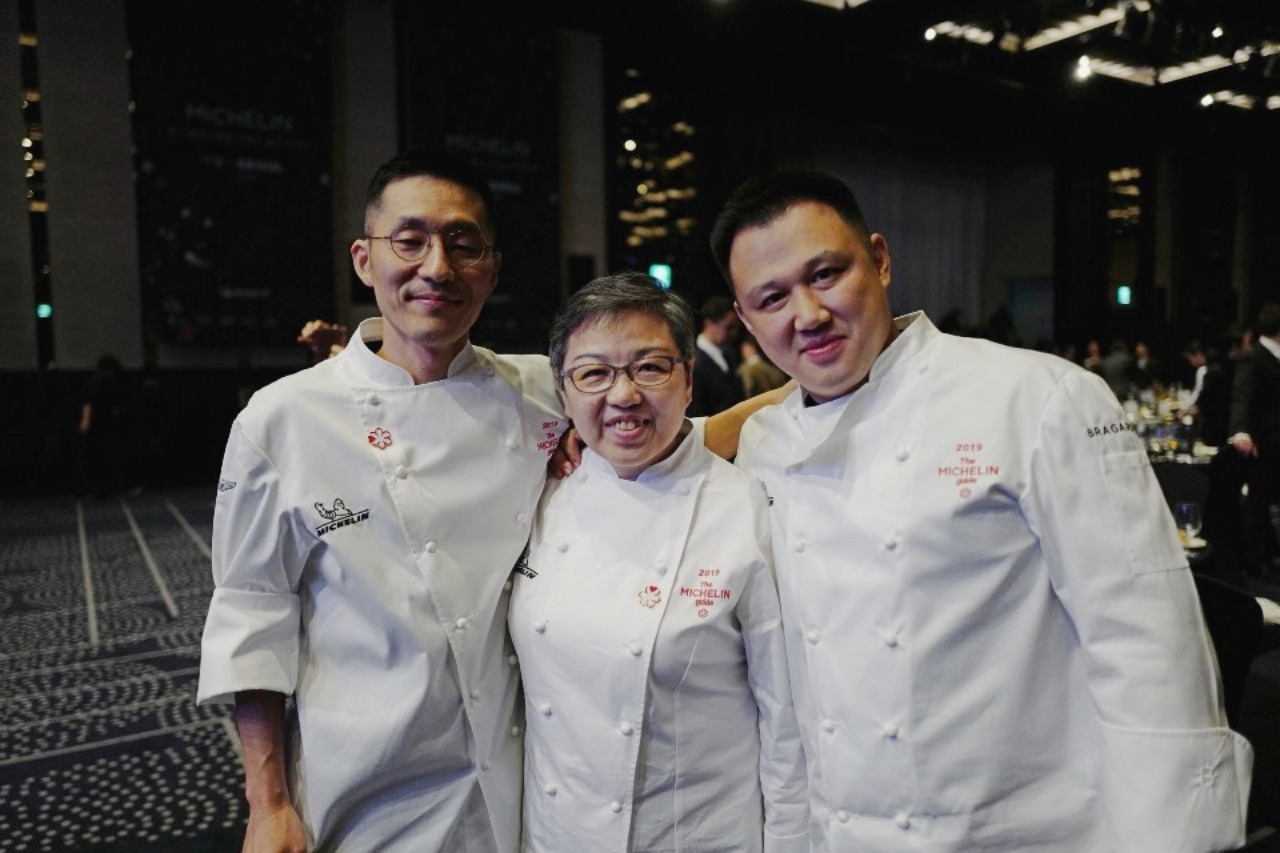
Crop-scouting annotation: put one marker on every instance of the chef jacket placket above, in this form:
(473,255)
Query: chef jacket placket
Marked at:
(573,570)
(863,564)
(469,606)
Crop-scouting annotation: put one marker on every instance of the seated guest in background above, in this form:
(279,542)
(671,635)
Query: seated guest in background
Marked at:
(715,382)
(645,615)
(1117,369)
(1092,356)
(756,372)
(1146,368)
(1255,434)
(995,640)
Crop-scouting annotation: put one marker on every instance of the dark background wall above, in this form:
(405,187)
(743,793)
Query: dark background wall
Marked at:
(990,180)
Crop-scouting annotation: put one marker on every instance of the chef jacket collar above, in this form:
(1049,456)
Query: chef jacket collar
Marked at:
(660,474)
(363,348)
(915,331)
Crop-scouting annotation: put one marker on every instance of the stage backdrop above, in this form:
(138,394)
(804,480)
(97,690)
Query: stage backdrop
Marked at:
(232,126)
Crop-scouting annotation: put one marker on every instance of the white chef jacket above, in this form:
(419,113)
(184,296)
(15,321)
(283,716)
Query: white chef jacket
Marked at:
(364,531)
(995,641)
(648,629)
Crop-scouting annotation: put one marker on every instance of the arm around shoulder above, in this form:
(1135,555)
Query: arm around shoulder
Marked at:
(723,429)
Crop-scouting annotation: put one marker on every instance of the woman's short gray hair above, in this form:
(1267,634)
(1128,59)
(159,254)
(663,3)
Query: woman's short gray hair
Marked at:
(612,296)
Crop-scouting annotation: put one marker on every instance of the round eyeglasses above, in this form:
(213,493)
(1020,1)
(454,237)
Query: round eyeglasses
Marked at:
(464,247)
(648,372)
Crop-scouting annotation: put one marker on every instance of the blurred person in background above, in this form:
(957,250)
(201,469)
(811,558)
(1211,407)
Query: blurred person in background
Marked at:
(1254,430)
(715,381)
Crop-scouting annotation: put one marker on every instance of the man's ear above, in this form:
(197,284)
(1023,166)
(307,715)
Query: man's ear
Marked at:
(880,256)
(360,261)
(742,317)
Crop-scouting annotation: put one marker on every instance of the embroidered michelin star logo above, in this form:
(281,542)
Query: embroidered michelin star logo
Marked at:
(338,516)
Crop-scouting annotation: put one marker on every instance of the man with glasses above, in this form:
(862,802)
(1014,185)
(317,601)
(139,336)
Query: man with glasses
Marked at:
(369,512)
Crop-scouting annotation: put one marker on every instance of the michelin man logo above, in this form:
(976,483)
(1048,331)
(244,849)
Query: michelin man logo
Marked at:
(338,516)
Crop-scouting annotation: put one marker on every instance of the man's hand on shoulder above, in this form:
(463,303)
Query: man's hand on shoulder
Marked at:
(323,338)
(567,456)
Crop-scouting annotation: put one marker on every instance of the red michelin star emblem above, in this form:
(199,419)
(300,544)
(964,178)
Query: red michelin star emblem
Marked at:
(650,596)
(380,438)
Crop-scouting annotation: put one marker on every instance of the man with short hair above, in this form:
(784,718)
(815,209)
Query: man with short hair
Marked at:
(995,641)
(716,386)
(369,513)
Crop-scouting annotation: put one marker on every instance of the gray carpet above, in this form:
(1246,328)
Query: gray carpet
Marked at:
(102,747)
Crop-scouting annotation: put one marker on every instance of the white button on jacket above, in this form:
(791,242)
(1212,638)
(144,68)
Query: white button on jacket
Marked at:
(358,566)
(1047,683)
(673,727)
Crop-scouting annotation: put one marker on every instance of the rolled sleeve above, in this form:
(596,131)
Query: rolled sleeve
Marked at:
(250,643)
(251,636)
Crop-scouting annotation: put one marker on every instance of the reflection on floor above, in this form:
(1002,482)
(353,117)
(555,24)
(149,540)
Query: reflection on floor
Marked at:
(102,747)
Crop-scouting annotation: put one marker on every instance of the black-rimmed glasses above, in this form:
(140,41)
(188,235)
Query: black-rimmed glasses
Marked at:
(464,247)
(648,372)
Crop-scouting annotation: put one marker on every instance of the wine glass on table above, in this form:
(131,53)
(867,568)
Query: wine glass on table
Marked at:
(1187,516)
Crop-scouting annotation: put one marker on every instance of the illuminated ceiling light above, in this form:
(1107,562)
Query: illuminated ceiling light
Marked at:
(1083,69)
(1063,30)
(1143,75)
(1206,100)
(1192,68)
(1273,102)
(629,145)
(26,143)
(1218,32)
(963,32)
(642,188)
(1235,99)
(1124,175)
(930,34)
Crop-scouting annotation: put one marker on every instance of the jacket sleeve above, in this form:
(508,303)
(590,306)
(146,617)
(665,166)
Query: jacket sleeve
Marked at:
(251,634)
(783,773)
(1174,777)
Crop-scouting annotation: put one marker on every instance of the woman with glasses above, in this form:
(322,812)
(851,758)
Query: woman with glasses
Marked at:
(645,613)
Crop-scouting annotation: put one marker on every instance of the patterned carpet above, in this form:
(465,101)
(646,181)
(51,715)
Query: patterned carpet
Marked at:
(102,747)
